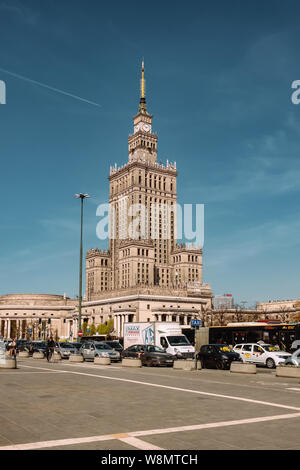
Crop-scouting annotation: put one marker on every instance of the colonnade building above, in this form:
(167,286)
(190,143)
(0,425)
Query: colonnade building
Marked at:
(37,316)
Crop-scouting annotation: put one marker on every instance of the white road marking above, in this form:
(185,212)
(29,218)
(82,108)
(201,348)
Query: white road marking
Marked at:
(294,389)
(127,437)
(216,425)
(92,366)
(32,372)
(57,443)
(185,390)
(141,445)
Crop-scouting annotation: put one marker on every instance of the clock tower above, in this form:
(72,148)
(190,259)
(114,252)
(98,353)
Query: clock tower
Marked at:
(142,145)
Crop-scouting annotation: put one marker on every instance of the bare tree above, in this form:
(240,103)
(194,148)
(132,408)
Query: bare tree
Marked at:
(283,313)
(219,315)
(238,314)
(206,316)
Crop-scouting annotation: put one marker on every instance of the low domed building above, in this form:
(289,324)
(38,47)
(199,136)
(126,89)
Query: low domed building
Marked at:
(35,316)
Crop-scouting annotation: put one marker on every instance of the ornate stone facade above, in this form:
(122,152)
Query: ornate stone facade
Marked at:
(143,252)
(143,249)
(35,316)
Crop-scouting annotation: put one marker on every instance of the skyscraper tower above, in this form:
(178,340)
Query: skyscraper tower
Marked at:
(143,197)
(143,246)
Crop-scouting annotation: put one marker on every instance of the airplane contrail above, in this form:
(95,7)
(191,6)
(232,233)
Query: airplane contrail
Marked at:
(21,77)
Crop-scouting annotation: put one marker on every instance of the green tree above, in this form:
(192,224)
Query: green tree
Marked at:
(84,328)
(93,330)
(105,328)
(101,329)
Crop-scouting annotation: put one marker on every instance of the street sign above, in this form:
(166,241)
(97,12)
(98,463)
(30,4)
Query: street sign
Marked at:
(79,333)
(195,322)
(29,331)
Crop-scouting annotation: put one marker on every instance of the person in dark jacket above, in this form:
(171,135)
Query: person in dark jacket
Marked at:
(50,348)
(12,347)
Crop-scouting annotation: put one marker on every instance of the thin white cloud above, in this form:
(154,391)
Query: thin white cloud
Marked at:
(56,90)
(19,10)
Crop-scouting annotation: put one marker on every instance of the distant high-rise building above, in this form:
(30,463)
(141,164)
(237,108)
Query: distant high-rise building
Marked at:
(223,301)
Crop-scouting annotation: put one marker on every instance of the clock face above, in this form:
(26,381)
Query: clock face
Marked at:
(146,127)
(136,128)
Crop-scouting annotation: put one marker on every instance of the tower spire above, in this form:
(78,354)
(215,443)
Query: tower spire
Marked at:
(142,107)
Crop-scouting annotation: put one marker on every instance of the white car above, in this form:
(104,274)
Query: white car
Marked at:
(264,354)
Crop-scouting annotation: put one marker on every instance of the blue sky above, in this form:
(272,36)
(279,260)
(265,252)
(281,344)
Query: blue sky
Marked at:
(219,80)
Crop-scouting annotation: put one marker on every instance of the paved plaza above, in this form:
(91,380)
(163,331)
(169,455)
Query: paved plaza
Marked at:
(87,406)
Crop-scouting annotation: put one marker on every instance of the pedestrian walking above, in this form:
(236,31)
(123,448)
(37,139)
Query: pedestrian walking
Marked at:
(50,348)
(12,348)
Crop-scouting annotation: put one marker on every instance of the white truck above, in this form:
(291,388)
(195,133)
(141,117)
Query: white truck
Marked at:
(167,335)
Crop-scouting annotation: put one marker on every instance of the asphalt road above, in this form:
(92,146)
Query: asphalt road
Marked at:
(86,406)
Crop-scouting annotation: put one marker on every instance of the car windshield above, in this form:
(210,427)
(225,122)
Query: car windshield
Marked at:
(155,349)
(39,345)
(114,344)
(102,346)
(224,348)
(270,347)
(76,345)
(67,345)
(178,340)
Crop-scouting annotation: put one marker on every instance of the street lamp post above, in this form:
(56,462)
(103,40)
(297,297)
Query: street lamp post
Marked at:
(81,197)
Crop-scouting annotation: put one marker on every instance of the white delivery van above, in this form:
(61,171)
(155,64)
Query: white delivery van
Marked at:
(167,335)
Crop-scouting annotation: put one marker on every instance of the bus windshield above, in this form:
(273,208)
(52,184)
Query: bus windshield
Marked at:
(178,340)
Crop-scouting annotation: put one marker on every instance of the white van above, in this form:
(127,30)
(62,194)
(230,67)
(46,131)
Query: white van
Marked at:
(167,335)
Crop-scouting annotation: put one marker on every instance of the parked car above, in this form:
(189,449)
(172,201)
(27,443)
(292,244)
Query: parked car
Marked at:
(90,350)
(218,356)
(261,354)
(115,345)
(22,345)
(65,349)
(37,346)
(294,359)
(150,355)
(77,346)
(134,351)
(295,345)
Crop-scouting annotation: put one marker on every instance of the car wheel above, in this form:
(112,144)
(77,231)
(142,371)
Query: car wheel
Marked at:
(219,365)
(270,363)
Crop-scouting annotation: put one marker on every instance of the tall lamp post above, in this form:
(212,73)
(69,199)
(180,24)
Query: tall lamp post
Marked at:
(81,197)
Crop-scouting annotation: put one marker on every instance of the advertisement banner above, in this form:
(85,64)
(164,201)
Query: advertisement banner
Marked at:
(138,333)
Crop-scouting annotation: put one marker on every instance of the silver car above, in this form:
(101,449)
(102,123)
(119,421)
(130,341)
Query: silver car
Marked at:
(294,359)
(2,351)
(65,349)
(90,350)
